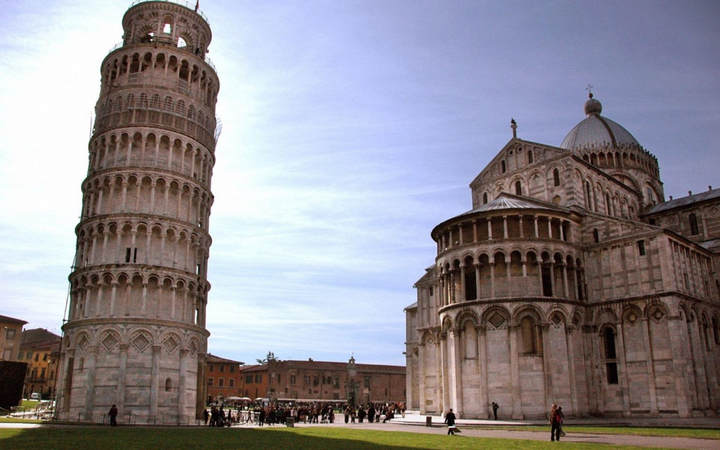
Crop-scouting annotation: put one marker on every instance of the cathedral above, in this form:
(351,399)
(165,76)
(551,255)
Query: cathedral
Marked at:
(571,281)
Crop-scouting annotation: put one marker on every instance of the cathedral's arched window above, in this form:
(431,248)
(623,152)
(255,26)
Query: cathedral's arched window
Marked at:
(706,332)
(518,188)
(528,333)
(610,355)
(556,177)
(608,208)
(485,198)
(694,225)
(469,280)
(716,331)
(596,235)
(530,157)
(168,385)
(546,281)
(503,167)
(588,194)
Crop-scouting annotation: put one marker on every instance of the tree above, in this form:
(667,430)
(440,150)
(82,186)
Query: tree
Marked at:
(269,358)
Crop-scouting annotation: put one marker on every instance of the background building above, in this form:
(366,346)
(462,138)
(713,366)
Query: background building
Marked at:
(135,334)
(571,281)
(222,378)
(40,349)
(324,381)
(10,337)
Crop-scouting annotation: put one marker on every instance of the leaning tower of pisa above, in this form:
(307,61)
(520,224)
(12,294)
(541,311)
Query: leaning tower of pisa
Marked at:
(135,334)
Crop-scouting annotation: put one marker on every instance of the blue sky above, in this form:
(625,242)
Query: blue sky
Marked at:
(350,129)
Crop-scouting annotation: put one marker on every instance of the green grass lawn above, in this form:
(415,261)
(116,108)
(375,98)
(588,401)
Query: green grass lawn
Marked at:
(130,438)
(701,433)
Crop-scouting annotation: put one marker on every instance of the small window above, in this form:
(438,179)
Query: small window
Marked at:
(222,367)
(530,157)
(641,247)
(612,373)
(609,343)
(518,188)
(431,291)
(168,385)
(232,369)
(10,333)
(211,382)
(556,177)
(221,382)
(503,167)
(596,235)
(231,382)
(485,198)
(293,379)
(279,378)
(211,367)
(694,225)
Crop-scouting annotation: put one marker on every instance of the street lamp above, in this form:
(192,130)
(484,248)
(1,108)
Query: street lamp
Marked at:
(352,371)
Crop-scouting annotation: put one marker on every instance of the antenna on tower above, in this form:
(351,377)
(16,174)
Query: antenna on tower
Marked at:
(218,128)
(91,126)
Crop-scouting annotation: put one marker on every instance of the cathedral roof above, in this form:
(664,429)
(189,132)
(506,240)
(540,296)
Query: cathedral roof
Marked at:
(505,201)
(597,131)
(685,201)
(508,201)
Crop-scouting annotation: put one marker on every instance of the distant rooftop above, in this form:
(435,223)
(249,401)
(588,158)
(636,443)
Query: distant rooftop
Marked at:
(684,201)
(6,319)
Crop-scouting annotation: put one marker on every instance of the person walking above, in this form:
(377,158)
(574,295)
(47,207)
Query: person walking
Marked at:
(561,417)
(554,424)
(113,415)
(450,421)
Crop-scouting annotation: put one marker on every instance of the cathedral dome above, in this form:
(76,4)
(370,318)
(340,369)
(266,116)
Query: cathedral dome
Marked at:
(597,131)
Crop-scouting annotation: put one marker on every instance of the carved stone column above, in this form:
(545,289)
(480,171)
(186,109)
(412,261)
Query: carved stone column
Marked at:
(482,357)
(155,380)
(122,377)
(91,356)
(517,412)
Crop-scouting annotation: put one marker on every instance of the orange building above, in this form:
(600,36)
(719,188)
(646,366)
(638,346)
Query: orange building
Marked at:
(222,378)
(10,332)
(254,381)
(40,349)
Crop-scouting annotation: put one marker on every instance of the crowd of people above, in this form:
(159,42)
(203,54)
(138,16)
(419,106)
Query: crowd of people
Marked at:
(280,413)
(317,412)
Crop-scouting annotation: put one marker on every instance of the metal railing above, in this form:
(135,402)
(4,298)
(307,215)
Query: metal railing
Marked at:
(186,4)
(185,49)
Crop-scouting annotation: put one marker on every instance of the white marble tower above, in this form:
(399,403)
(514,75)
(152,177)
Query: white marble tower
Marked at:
(135,334)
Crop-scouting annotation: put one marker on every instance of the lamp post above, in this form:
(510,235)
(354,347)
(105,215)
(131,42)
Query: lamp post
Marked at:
(352,371)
